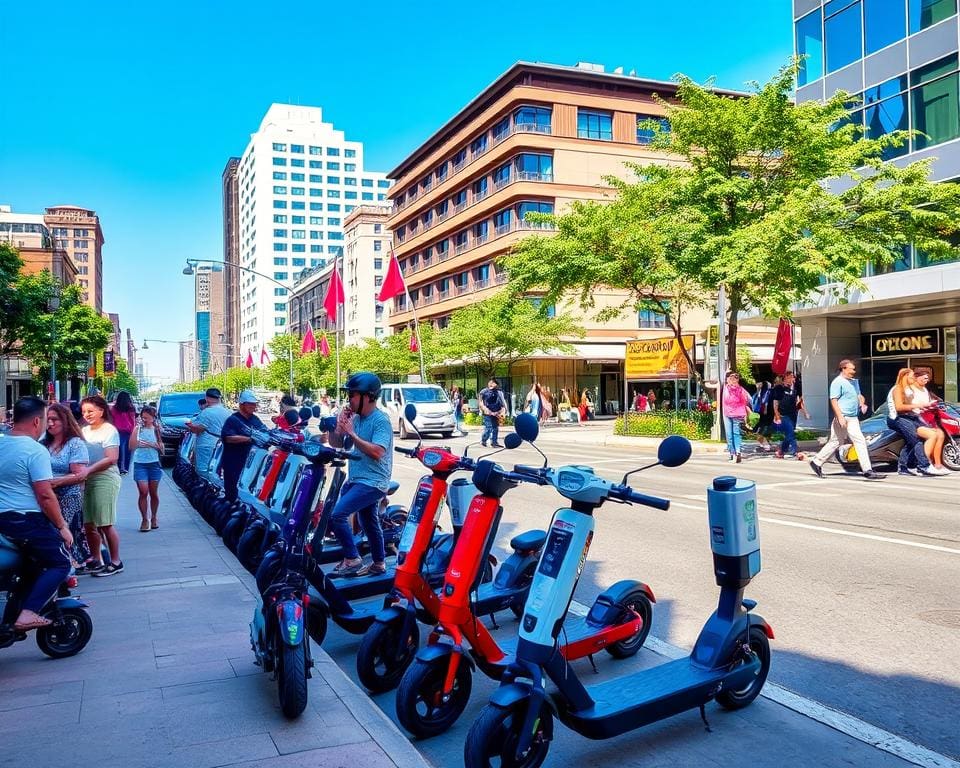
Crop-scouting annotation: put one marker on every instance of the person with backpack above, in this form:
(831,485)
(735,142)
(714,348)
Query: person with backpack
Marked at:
(762,405)
(494,408)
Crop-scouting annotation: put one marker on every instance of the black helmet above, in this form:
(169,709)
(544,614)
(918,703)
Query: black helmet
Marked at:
(365,383)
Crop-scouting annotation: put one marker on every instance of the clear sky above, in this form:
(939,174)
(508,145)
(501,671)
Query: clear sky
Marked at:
(132,109)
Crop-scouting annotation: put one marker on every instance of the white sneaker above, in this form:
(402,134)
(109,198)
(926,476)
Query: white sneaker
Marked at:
(926,472)
(941,470)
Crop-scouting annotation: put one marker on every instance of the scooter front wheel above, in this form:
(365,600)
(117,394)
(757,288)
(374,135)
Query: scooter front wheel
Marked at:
(951,455)
(385,653)
(493,739)
(422,707)
(68,635)
(292,679)
(760,645)
(638,602)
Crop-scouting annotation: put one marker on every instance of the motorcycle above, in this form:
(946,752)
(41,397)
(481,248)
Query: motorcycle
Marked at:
(72,626)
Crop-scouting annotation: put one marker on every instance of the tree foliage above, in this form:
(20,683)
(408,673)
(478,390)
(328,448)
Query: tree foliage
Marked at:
(768,199)
(122,381)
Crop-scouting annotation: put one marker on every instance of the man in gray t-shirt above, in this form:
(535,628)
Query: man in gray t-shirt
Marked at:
(207,426)
(369,430)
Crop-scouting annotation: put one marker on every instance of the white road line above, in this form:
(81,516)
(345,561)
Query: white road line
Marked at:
(857,729)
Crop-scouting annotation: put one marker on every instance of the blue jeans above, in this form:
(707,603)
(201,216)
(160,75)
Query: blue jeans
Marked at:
(732,427)
(907,428)
(123,460)
(39,542)
(459,417)
(364,500)
(491,429)
(789,426)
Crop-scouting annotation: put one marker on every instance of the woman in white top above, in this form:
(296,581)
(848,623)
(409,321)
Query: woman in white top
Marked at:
(922,400)
(147,473)
(102,485)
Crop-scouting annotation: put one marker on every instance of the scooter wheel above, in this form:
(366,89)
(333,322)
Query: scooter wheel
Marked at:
(292,678)
(639,602)
(951,455)
(385,653)
(494,735)
(760,645)
(68,635)
(421,706)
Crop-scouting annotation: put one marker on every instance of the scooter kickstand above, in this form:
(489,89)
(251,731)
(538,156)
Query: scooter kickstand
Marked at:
(493,618)
(703,716)
(593,664)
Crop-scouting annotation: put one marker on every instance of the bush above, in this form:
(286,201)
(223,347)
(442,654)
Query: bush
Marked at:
(692,425)
(476,419)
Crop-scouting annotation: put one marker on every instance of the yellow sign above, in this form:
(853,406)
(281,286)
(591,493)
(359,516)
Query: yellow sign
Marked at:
(657,358)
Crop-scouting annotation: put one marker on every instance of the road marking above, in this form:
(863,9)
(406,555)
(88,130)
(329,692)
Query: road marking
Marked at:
(852,726)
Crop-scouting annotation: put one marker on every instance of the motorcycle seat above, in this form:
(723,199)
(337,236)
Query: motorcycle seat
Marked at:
(528,541)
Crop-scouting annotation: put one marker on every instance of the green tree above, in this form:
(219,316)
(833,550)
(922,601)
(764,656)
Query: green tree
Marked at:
(122,381)
(503,329)
(768,199)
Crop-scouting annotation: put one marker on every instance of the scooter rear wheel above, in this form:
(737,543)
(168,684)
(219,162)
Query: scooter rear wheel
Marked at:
(385,653)
(493,738)
(760,645)
(639,602)
(68,635)
(421,707)
(951,455)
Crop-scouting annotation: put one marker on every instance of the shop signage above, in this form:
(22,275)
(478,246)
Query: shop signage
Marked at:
(922,342)
(657,358)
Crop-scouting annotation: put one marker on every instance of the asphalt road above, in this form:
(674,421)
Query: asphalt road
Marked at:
(859,583)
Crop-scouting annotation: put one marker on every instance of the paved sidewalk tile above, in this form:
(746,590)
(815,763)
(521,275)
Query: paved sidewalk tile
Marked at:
(168,678)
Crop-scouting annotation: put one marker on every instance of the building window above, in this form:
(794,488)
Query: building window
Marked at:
(334,249)
(279,321)
(378,245)
(884,23)
(296,190)
(333,166)
(298,248)
(350,167)
(279,291)
(482,274)
(926,13)
(442,247)
(279,246)
(333,221)
(297,205)
(478,145)
(316,235)
(279,203)
(299,262)
(935,102)
(278,190)
(316,220)
(316,164)
(316,192)
(366,182)
(480,188)
(533,119)
(79,243)
(279,147)
(279,161)
(296,163)
(333,179)
(315,249)
(886,110)
(335,235)
(279,275)
(501,129)
(501,176)
(459,159)
(349,153)
(645,134)
(350,196)
(501,221)
(366,195)
(459,197)
(378,263)
(534,167)
(279,307)
(299,234)
(460,240)
(316,206)
(842,26)
(439,174)
(298,219)
(279,233)
(316,178)
(316,150)
(441,209)
(647,318)
(333,207)
(377,229)
(297,148)
(279,175)
(333,152)
(530,206)
(480,230)
(383,184)
(296,177)
(349,181)
(594,124)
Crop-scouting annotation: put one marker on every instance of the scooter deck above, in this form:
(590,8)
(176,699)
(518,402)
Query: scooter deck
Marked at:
(576,631)
(626,703)
(490,598)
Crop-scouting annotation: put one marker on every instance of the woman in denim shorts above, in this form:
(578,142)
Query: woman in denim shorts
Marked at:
(145,447)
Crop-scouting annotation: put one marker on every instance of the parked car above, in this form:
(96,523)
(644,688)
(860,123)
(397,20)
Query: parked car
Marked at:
(434,409)
(174,410)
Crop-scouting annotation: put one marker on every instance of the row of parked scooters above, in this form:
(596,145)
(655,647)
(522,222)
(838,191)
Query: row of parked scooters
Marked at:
(448,580)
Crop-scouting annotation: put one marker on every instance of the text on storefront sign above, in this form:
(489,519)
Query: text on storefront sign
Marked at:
(925,341)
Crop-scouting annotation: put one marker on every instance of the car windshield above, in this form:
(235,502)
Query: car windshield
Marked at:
(179,405)
(424,395)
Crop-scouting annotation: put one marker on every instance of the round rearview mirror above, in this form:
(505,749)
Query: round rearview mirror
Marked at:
(305,414)
(527,427)
(316,412)
(674,451)
(291,417)
(410,412)
(512,440)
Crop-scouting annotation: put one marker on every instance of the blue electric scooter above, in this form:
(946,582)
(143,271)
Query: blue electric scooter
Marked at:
(730,659)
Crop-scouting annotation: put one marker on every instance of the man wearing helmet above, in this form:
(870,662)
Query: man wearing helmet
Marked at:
(371,433)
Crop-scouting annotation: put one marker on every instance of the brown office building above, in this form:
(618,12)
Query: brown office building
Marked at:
(77,231)
(231,255)
(538,138)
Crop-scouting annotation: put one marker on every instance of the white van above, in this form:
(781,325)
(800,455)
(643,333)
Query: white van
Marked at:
(434,409)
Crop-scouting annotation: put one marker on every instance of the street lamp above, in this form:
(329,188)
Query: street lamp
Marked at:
(191,268)
(53,304)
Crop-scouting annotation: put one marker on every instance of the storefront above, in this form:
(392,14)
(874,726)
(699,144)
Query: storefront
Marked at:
(931,349)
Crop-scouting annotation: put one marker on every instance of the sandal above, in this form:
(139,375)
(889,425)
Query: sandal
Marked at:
(144,527)
(374,569)
(344,568)
(37,623)
(154,525)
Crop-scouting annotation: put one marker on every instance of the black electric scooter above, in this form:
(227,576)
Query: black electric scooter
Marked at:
(729,662)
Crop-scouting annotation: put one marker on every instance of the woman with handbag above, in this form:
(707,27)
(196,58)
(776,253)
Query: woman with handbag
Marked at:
(735,401)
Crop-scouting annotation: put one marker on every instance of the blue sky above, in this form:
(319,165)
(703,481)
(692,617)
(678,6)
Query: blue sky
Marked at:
(133,109)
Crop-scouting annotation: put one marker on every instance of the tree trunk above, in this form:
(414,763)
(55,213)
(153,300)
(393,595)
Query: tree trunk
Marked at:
(735,304)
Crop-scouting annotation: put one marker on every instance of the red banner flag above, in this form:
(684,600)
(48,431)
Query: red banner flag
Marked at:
(249,362)
(782,348)
(414,344)
(334,295)
(264,356)
(393,284)
(324,345)
(309,341)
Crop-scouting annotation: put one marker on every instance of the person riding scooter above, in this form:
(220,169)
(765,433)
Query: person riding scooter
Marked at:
(29,510)
(371,433)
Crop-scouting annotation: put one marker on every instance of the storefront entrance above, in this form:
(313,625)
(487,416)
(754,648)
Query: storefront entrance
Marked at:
(886,353)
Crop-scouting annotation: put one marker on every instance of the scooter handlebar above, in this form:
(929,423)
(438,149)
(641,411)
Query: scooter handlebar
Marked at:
(626,493)
(405,451)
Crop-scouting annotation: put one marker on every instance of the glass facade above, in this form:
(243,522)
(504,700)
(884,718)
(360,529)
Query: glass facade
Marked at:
(809,40)
(884,23)
(926,13)
(935,102)
(592,124)
(842,24)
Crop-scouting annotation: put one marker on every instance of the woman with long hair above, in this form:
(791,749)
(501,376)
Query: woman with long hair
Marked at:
(102,486)
(534,401)
(456,397)
(69,459)
(922,400)
(147,472)
(123,413)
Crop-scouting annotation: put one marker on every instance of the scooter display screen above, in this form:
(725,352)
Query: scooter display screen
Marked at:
(555,550)
(413,518)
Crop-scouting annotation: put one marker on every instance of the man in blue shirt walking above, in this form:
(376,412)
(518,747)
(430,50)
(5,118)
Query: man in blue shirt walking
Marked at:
(847,404)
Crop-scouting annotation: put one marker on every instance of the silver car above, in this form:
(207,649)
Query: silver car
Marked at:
(434,409)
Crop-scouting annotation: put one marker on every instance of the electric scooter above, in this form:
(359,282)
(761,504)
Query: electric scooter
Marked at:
(389,645)
(729,662)
(434,691)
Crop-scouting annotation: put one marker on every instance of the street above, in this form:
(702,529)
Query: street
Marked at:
(858,582)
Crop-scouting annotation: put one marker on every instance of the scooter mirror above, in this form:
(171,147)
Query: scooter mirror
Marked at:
(305,414)
(316,412)
(328,423)
(512,440)
(410,412)
(526,427)
(291,417)
(674,451)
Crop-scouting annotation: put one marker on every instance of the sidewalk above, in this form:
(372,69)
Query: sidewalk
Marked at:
(168,678)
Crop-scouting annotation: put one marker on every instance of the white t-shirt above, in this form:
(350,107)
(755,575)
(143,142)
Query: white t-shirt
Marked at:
(23,461)
(917,396)
(104,436)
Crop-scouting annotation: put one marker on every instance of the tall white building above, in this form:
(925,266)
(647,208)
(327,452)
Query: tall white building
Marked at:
(298,179)
(365,263)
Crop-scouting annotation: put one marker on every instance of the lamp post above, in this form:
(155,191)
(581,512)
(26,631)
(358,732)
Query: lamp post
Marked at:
(191,268)
(53,304)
